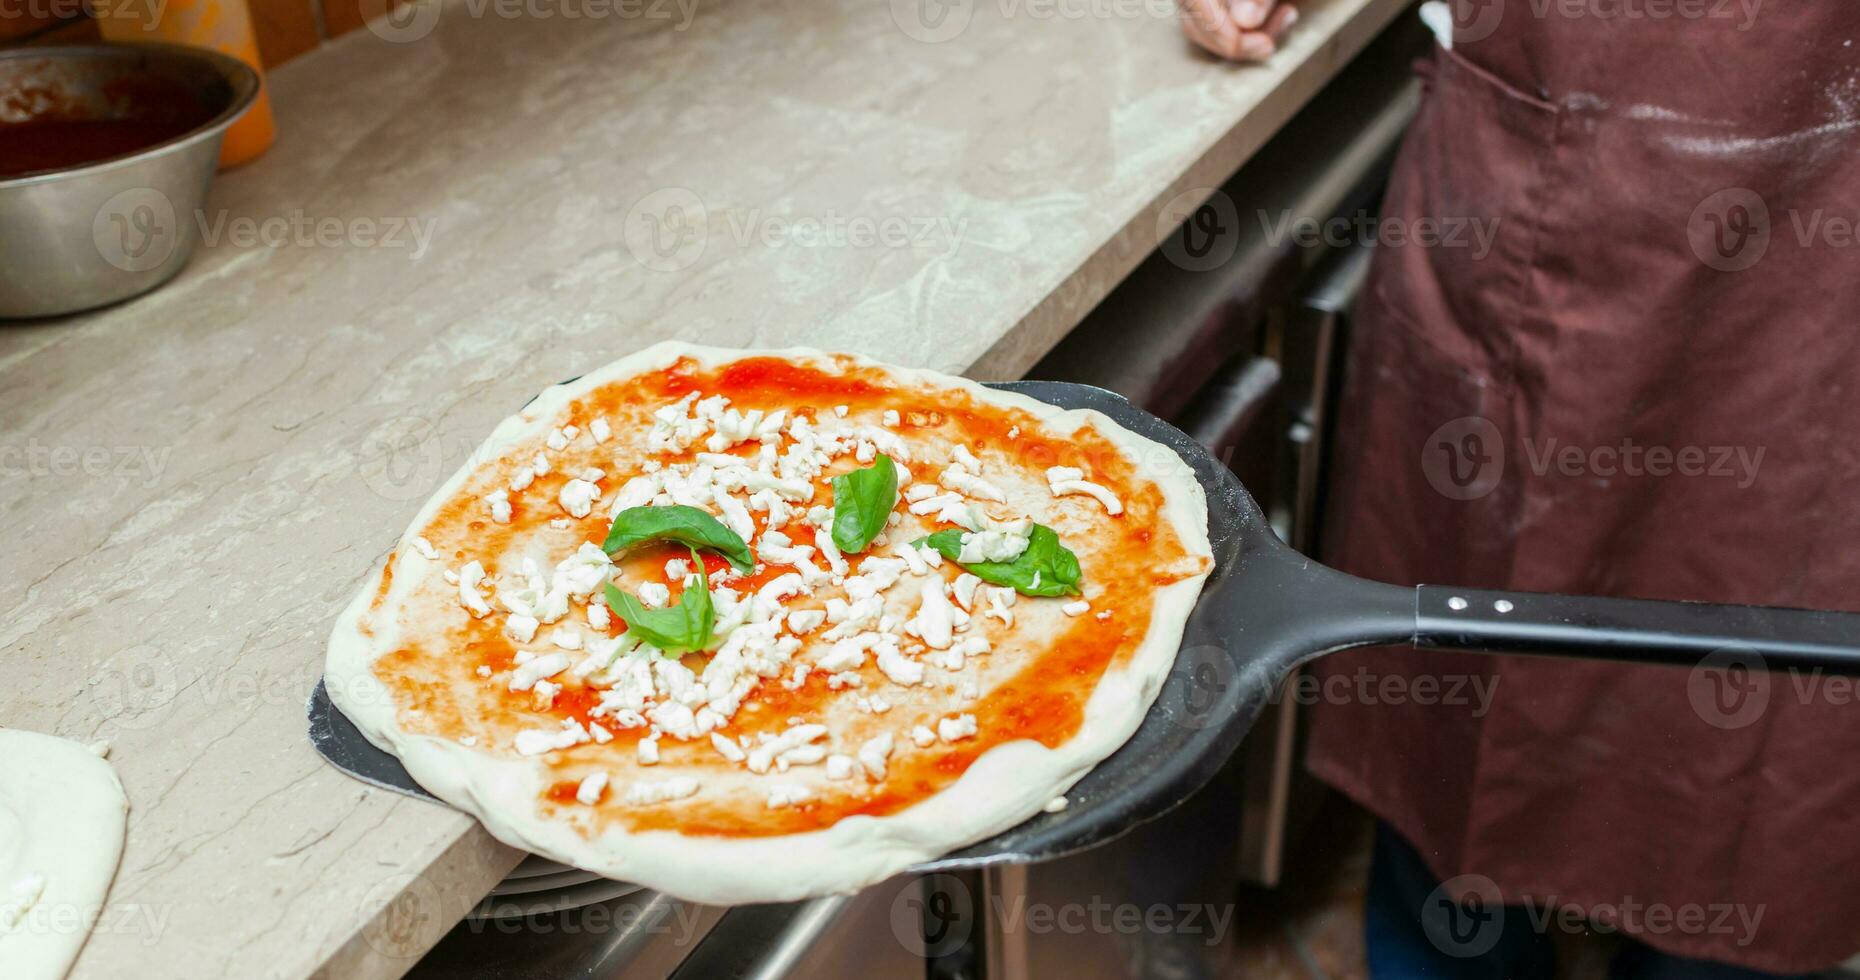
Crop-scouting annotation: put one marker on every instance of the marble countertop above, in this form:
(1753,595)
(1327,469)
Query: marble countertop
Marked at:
(455,216)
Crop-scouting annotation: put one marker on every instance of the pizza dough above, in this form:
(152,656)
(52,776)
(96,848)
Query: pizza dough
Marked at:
(62,815)
(857,713)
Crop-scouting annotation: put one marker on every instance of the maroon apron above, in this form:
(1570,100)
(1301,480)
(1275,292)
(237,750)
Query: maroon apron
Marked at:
(1645,382)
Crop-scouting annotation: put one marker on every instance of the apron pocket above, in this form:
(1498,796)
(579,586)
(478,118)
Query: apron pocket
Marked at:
(1462,216)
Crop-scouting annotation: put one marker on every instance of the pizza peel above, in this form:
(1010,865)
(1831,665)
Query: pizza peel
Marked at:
(1265,610)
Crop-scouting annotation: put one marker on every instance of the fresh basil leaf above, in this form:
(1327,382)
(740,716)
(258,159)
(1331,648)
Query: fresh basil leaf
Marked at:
(1055,565)
(862,503)
(676,522)
(679,628)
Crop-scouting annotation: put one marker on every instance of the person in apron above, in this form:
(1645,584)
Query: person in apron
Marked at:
(1645,381)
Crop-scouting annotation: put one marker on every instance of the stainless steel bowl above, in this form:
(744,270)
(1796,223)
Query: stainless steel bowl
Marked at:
(92,234)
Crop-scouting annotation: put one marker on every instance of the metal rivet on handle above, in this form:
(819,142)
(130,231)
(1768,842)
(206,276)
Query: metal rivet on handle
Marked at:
(1503,605)
(1456,604)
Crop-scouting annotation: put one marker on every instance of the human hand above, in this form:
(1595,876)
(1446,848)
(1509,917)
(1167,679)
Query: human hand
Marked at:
(1238,30)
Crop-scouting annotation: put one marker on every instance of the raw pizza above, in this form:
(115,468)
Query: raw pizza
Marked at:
(757,626)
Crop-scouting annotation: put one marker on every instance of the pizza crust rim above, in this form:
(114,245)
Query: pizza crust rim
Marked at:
(1003,787)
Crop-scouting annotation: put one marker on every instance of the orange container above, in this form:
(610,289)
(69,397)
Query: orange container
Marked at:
(222,25)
